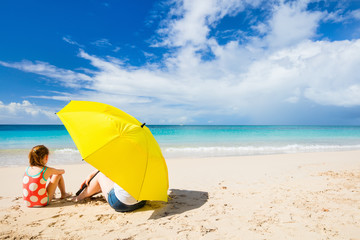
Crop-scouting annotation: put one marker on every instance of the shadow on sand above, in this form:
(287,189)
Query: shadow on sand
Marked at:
(179,202)
(95,200)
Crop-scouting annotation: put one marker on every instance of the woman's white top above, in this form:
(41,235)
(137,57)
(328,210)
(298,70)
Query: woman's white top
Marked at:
(124,196)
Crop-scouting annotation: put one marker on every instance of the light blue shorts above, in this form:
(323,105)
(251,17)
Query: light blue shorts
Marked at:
(122,207)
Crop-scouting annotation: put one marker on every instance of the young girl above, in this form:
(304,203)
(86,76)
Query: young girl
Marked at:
(35,191)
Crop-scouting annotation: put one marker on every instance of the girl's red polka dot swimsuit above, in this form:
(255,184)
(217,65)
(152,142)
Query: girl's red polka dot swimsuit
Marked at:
(34,189)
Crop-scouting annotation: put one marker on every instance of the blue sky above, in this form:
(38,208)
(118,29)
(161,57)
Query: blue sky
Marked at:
(183,62)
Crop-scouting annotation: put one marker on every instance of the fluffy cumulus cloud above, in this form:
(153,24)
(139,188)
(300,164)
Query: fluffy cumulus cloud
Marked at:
(279,67)
(17,112)
(291,24)
(189,22)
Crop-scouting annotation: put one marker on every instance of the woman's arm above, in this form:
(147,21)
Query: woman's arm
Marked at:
(91,175)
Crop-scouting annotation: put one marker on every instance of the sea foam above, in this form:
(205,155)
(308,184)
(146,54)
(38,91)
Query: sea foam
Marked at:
(209,151)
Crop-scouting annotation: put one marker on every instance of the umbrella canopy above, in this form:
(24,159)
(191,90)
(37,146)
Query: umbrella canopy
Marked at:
(119,146)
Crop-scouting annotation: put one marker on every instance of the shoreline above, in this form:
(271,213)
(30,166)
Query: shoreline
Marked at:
(73,156)
(296,196)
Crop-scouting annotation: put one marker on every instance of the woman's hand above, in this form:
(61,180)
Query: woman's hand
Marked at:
(84,182)
(87,180)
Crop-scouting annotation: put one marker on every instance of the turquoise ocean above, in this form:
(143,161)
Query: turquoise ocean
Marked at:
(187,141)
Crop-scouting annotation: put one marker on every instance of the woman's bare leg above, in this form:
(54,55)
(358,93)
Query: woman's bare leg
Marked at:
(92,189)
(106,185)
(100,183)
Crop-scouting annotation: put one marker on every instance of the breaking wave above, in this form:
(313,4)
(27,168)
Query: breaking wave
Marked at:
(209,151)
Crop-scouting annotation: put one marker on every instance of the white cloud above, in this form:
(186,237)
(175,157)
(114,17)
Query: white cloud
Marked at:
(102,43)
(66,77)
(194,18)
(356,14)
(231,83)
(23,109)
(335,17)
(341,15)
(72,42)
(292,24)
(277,70)
(347,96)
(116,49)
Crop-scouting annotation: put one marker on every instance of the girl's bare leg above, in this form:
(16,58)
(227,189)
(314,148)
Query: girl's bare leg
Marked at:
(61,186)
(54,182)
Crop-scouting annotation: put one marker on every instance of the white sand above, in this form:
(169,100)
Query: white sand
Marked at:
(290,196)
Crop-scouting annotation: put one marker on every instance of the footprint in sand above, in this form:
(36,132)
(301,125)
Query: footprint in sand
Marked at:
(51,224)
(205,230)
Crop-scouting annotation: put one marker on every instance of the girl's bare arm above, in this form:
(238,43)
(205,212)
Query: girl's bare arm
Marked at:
(51,171)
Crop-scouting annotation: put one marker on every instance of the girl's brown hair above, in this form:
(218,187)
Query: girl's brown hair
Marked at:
(37,154)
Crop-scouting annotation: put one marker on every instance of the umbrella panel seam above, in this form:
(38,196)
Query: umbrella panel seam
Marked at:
(102,146)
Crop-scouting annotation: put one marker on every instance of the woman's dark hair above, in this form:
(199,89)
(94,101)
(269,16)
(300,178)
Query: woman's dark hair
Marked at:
(37,155)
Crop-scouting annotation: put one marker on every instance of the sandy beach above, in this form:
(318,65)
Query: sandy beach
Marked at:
(288,196)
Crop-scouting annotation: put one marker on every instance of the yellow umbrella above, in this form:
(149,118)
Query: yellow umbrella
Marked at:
(119,146)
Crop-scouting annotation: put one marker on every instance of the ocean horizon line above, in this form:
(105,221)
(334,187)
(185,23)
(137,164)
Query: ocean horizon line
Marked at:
(305,125)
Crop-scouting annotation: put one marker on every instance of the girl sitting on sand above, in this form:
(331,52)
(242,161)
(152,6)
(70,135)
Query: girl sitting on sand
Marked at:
(35,191)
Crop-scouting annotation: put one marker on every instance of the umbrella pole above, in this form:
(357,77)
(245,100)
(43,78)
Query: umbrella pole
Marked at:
(84,185)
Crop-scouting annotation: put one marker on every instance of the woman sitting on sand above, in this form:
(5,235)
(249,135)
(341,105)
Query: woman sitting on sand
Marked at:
(117,197)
